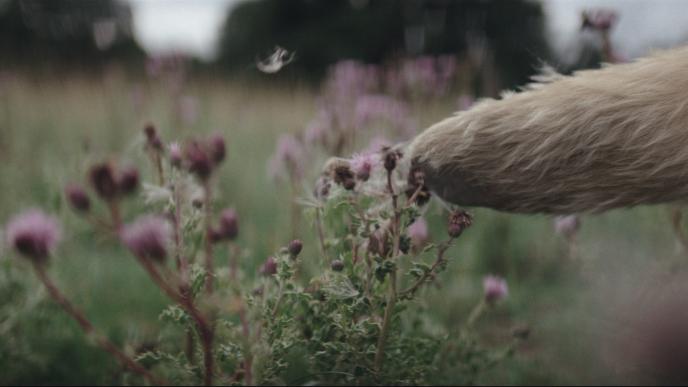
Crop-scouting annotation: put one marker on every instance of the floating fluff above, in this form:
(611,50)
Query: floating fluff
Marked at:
(596,140)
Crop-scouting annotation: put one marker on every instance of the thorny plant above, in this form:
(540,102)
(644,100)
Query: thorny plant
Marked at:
(350,323)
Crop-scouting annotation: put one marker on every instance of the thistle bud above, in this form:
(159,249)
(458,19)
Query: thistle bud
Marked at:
(103,179)
(175,152)
(390,159)
(128,181)
(337,265)
(495,289)
(78,198)
(295,248)
(199,163)
(269,268)
(152,139)
(216,148)
(458,221)
(229,224)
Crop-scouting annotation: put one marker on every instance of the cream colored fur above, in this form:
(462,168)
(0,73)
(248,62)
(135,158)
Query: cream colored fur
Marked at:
(600,139)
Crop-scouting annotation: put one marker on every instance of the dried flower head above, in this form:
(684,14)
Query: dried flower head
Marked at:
(77,198)
(495,288)
(416,187)
(104,181)
(33,234)
(344,177)
(148,237)
(322,188)
(391,157)
(229,224)
(459,220)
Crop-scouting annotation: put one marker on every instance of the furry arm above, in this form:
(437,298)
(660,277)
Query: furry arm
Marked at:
(593,141)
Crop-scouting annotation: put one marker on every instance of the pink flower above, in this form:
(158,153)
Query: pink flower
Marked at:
(566,226)
(495,288)
(175,152)
(269,268)
(418,232)
(148,237)
(362,165)
(77,198)
(288,158)
(229,224)
(33,234)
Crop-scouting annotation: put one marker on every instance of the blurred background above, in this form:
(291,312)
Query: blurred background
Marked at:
(80,78)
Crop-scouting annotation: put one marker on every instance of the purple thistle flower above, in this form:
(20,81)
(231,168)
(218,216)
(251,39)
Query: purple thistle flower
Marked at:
(229,224)
(288,158)
(362,165)
(78,198)
(217,148)
(128,181)
(176,155)
(198,161)
(295,247)
(566,226)
(495,288)
(103,179)
(418,232)
(148,237)
(33,234)
(269,268)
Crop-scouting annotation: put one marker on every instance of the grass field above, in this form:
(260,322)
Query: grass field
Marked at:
(52,129)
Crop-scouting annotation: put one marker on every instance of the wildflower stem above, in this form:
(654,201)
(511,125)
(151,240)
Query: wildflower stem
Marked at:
(392,298)
(245,328)
(209,267)
(89,329)
(476,313)
(205,330)
(441,250)
(321,233)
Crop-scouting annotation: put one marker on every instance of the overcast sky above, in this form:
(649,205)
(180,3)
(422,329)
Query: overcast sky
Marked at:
(193,25)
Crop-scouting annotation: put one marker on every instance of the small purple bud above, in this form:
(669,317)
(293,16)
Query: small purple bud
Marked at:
(295,248)
(78,198)
(229,224)
(495,289)
(152,139)
(128,181)
(199,162)
(269,267)
(217,148)
(102,178)
(337,265)
(175,152)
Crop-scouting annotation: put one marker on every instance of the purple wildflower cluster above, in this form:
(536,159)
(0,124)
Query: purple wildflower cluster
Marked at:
(356,98)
